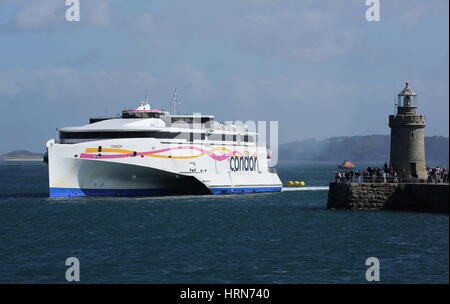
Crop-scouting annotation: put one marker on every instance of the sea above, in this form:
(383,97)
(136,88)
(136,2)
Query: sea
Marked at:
(275,238)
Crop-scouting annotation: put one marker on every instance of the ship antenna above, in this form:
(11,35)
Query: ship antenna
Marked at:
(174,101)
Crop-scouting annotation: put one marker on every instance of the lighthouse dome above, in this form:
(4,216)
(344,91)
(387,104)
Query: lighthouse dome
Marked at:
(407,91)
(407,98)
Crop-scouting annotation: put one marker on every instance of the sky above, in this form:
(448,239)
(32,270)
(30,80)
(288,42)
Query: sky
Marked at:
(318,67)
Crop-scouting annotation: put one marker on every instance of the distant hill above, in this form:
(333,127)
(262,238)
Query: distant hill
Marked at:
(21,155)
(357,148)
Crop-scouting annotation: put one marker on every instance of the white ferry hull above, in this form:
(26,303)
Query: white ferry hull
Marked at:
(143,167)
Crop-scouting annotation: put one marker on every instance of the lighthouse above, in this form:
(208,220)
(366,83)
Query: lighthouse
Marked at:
(407,153)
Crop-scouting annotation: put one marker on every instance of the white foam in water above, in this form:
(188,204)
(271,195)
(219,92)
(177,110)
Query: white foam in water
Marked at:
(320,188)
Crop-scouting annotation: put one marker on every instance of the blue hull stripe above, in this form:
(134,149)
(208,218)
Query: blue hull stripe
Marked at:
(76,192)
(244,190)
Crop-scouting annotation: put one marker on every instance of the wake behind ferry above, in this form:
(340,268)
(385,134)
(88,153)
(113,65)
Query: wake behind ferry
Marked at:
(153,152)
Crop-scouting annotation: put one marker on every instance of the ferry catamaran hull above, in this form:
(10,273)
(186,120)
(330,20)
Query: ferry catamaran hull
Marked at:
(96,169)
(146,152)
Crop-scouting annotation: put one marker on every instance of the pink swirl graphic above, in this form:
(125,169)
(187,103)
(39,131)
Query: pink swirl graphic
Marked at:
(149,153)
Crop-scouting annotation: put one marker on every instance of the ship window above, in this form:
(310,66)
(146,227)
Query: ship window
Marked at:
(117,134)
(216,137)
(182,119)
(141,115)
(228,137)
(188,136)
(131,134)
(191,119)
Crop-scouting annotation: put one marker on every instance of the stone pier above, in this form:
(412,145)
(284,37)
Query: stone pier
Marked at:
(409,197)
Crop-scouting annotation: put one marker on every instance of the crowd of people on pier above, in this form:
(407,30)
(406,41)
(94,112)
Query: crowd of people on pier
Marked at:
(387,174)
(437,175)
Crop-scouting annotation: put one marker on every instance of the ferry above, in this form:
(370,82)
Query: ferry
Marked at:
(147,152)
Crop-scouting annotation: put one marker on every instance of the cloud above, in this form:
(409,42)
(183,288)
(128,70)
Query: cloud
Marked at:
(9,86)
(143,23)
(89,57)
(49,15)
(309,30)
(3,2)
(307,33)
(191,80)
(96,12)
(412,12)
(38,14)
(288,93)
(58,85)
(308,106)
(316,66)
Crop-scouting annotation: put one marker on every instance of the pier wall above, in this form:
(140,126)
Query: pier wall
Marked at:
(408,197)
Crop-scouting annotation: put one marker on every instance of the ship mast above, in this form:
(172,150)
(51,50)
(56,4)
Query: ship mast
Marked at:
(174,102)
